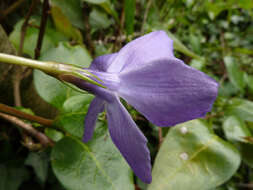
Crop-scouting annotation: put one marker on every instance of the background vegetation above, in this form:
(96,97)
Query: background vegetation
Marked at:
(214,36)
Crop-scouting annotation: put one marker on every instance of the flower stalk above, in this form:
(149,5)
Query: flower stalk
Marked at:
(52,68)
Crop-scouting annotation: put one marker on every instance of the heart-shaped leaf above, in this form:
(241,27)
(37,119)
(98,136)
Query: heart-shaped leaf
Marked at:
(193,157)
(96,165)
(49,88)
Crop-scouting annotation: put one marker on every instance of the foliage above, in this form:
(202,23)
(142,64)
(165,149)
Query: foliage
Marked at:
(215,152)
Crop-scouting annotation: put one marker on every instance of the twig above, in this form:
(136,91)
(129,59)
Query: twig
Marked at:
(88,39)
(137,187)
(12,111)
(146,15)
(24,27)
(42,138)
(11,8)
(16,88)
(249,186)
(18,76)
(43,24)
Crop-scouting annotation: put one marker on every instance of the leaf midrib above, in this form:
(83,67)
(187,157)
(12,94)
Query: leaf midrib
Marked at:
(93,157)
(204,147)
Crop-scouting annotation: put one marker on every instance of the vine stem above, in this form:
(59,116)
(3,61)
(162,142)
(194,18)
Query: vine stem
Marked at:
(42,138)
(52,68)
(14,112)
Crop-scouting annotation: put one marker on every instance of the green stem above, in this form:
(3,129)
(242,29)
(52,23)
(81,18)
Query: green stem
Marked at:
(51,68)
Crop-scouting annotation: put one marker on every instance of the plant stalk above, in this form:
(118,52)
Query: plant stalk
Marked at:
(52,68)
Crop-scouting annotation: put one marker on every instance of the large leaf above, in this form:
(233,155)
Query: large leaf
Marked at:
(241,108)
(49,88)
(193,157)
(96,165)
(50,40)
(235,75)
(72,115)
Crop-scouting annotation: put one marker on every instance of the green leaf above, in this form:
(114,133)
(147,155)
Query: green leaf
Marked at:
(39,162)
(12,177)
(49,88)
(63,24)
(129,11)
(245,4)
(214,9)
(96,165)
(249,80)
(71,118)
(235,129)
(99,19)
(236,76)
(106,5)
(241,108)
(54,134)
(179,46)
(193,157)
(72,10)
(50,40)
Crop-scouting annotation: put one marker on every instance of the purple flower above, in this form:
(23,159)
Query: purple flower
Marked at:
(157,84)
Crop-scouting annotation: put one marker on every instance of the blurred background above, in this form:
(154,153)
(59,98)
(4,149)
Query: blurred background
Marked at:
(214,36)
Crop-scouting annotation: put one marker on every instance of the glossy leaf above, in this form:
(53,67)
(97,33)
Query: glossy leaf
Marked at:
(235,75)
(129,10)
(193,157)
(49,88)
(71,118)
(54,134)
(235,129)
(242,108)
(96,165)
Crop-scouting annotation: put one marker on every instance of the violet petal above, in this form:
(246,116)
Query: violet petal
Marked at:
(102,63)
(96,107)
(168,92)
(141,51)
(129,140)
